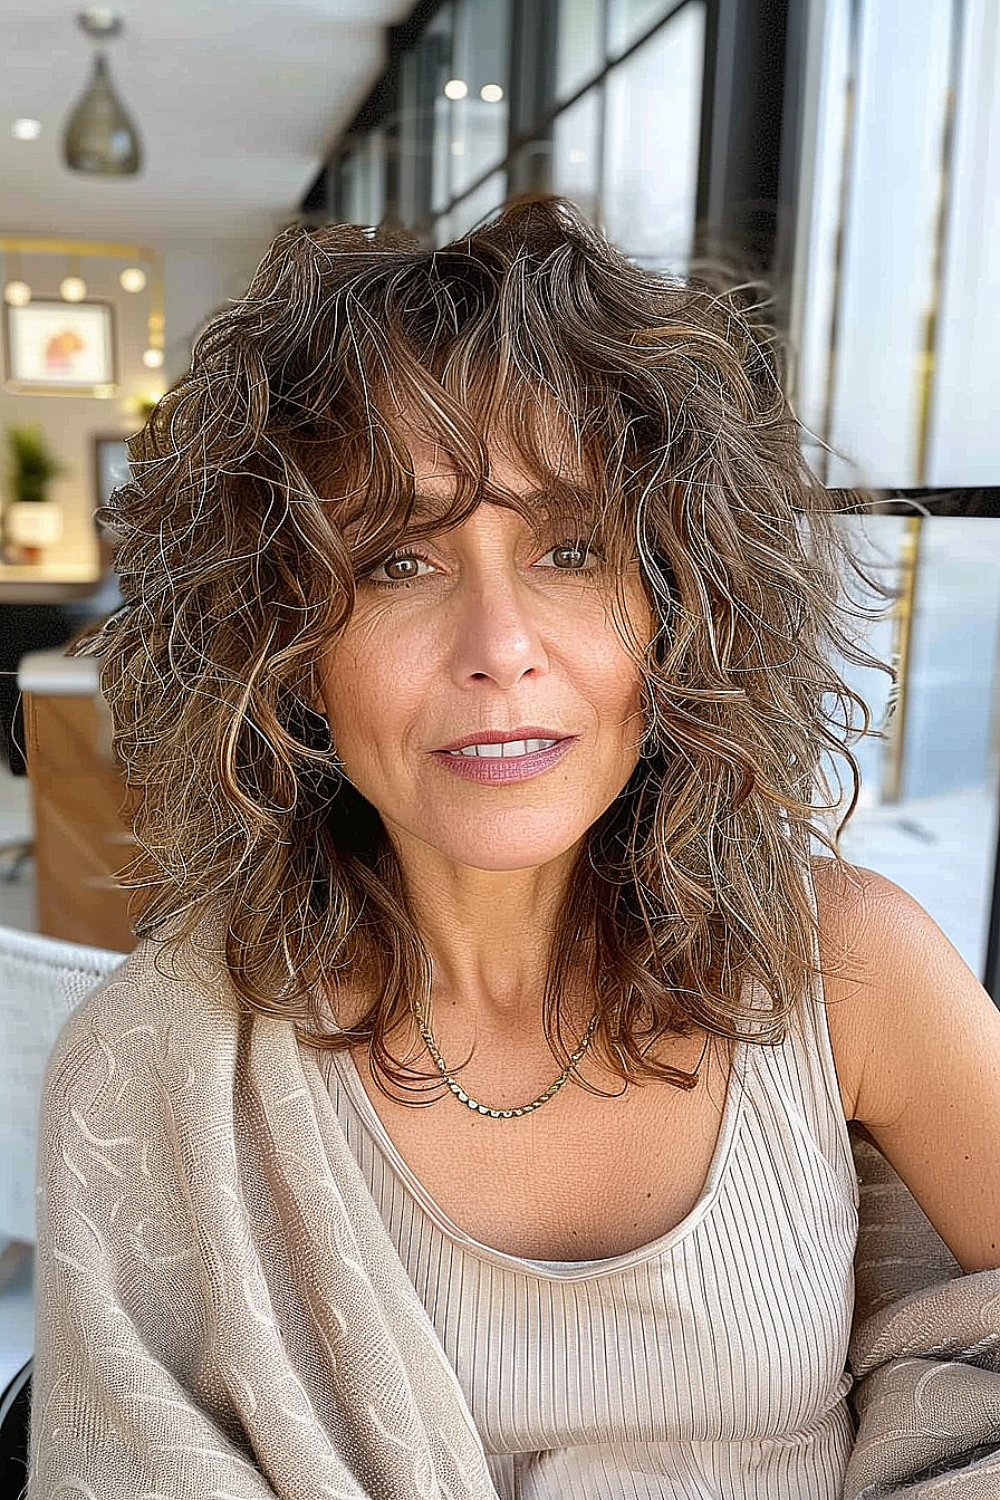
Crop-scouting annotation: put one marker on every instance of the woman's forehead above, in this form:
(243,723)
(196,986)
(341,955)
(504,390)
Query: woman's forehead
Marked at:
(435,479)
(510,475)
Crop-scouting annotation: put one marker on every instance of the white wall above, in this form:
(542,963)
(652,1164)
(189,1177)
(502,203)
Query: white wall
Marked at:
(199,276)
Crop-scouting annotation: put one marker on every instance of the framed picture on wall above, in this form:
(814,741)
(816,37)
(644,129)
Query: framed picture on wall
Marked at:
(110,465)
(61,348)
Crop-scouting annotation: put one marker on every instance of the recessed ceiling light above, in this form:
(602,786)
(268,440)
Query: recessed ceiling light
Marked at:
(152,358)
(73,288)
(491,93)
(26,130)
(132,279)
(456,88)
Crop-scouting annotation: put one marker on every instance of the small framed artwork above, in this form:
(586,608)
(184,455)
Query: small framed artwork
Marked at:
(110,465)
(61,348)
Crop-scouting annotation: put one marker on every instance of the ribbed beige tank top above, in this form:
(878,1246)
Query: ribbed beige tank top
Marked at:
(707,1365)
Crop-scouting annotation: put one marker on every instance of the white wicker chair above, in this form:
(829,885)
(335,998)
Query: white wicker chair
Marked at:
(41,981)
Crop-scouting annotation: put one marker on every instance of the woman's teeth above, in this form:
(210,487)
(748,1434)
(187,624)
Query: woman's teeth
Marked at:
(508,747)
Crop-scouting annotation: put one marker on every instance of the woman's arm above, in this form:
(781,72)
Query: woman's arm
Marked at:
(917,1044)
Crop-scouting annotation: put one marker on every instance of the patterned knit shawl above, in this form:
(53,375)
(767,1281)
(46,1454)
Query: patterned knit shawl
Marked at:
(222,1316)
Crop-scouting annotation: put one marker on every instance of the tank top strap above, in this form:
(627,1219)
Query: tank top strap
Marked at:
(802,1073)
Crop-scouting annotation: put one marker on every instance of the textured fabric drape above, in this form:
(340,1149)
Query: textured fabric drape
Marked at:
(220,1310)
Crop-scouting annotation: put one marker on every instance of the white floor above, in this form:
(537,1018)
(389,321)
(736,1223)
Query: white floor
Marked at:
(17,1315)
(941,850)
(17,899)
(17,909)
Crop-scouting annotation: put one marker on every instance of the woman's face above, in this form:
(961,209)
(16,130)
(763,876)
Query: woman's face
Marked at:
(487,636)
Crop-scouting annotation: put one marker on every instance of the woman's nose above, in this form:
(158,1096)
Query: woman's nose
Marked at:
(497,633)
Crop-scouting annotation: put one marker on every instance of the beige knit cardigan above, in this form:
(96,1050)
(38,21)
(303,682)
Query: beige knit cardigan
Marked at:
(220,1314)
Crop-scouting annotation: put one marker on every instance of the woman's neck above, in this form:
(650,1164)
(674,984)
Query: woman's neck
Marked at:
(489,933)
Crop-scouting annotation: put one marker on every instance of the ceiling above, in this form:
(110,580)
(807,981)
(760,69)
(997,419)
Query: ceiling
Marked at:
(236,102)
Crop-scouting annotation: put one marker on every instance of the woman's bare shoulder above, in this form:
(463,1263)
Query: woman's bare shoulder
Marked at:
(916,1040)
(873,936)
(844,893)
(864,918)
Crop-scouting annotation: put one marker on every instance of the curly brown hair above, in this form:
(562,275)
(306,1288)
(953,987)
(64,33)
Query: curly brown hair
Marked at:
(276,472)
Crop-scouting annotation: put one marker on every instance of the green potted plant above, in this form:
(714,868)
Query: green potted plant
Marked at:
(31,520)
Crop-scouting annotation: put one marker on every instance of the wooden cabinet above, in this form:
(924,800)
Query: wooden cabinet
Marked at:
(81,837)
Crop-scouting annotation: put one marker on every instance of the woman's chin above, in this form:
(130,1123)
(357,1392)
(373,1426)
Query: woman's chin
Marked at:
(497,848)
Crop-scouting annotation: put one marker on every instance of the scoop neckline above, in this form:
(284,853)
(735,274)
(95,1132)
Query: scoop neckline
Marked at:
(732,1112)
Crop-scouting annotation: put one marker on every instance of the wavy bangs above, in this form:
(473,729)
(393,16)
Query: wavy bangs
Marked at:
(277,471)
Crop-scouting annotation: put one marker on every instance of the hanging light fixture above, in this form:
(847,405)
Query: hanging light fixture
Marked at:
(99,137)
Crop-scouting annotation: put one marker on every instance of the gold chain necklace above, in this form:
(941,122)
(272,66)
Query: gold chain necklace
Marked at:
(486,1109)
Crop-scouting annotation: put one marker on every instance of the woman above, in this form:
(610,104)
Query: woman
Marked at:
(470,1122)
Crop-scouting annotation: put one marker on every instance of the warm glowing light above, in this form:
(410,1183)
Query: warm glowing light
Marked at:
(132,279)
(17,293)
(137,405)
(26,130)
(492,93)
(456,88)
(152,358)
(72,289)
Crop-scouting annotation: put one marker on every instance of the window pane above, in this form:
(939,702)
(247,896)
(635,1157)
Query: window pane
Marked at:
(937,839)
(576,152)
(362,181)
(347,171)
(421,125)
(531,168)
(579,44)
(488,196)
(406,138)
(441,149)
(651,143)
(628,19)
(481,63)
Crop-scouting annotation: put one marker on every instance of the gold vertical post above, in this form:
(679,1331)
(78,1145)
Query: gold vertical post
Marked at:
(909,562)
(927,356)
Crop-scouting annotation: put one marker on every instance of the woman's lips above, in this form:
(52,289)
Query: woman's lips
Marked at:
(497,770)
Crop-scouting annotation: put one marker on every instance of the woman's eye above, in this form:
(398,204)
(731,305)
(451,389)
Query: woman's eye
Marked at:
(404,567)
(399,569)
(572,557)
